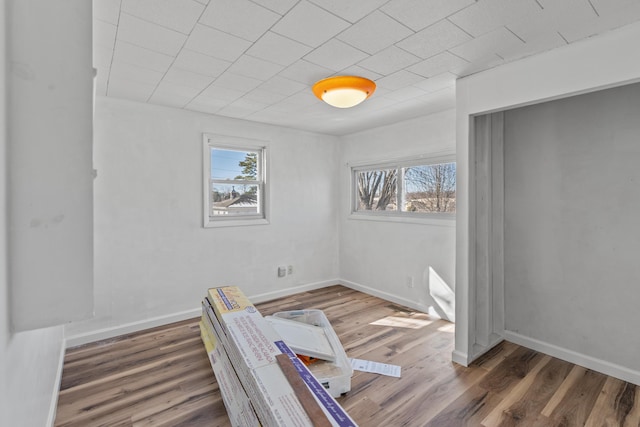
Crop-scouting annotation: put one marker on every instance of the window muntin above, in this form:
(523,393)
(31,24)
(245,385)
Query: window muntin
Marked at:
(235,190)
(418,188)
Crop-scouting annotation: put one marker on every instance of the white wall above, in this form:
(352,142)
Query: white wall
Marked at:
(584,66)
(571,224)
(377,256)
(153,257)
(29,361)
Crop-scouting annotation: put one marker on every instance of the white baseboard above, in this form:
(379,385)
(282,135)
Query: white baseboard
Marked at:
(53,408)
(268,296)
(128,328)
(589,362)
(460,358)
(389,297)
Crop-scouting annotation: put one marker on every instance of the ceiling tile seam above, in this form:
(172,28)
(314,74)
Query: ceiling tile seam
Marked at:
(341,41)
(113,49)
(275,11)
(176,57)
(563,37)
(154,23)
(367,15)
(148,50)
(538,1)
(336,15)
(512,32)
(593,7)
(460,28)
(450,47)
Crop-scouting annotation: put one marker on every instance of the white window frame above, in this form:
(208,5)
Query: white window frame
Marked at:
(398,215)
(233,143)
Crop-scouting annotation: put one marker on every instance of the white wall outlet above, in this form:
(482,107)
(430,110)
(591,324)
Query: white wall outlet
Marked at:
(282,271)
(409,281)
(290,269)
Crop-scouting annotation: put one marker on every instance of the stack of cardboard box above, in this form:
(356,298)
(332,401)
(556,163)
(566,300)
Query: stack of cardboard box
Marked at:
(242,348)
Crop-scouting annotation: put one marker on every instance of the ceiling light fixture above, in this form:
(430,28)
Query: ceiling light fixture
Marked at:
(344,91)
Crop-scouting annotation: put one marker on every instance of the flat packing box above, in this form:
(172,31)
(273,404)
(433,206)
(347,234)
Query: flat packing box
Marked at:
(251,345)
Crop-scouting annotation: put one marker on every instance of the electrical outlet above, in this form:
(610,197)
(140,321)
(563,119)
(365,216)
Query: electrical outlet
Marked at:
(282,271)
(290,269)
(409,281)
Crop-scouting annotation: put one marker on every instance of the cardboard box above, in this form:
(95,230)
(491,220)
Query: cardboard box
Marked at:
(251,345)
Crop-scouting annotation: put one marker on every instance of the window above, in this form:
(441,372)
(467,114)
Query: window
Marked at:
(418,188)
(234,181)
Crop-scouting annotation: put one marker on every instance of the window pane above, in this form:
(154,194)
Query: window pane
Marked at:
(376,190)
(231,199)
(233,164)
(430,188)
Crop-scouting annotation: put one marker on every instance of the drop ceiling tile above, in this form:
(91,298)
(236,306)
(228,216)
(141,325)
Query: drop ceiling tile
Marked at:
(218,95)
(264,96)
(187,78)
(278,6)
(173,94)
(496,42)
(374,33)
(309,24)
(276,48)
(237,82)
(132,73)
(178,15)
(419,14)
(305,72)
(351,11)
(241,18)
(389,61)
(611,7)
(437,82)
(434,39)
(207,104)
(282,85)
(127,89)
(104,34)
(553,18)
(141,57)
(609,20)
(405,93)
(150,36)
(487,15)
(534,45)
(302,99)
(335,55)
(398,80)
(439,64)
(216,43)
(356,70)
(107,10)
(102,57)
(200,63)
(254,67)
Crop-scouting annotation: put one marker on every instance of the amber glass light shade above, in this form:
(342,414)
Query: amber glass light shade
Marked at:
(344,91)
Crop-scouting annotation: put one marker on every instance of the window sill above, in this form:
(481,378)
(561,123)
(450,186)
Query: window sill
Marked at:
(235,222)
(446,220)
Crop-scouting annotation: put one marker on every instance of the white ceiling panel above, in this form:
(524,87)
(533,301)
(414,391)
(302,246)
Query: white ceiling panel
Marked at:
(486,46)
(335,55)
(305,72)
(419,14)
(432,40)
(279,6)
(438,64)
(241,18)
(107,11)
(178,15)
(216,43)
(485,15)
(278,49)
(389,61)
(141,57)
(257,59)
(374,33)
(200,63)
(351,11)
(309,24)
(256,68)
(150,36)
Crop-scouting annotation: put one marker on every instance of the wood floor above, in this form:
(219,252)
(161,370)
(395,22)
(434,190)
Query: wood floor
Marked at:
(162,377)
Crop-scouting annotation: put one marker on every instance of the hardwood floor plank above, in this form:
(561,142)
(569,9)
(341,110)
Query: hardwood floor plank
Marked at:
(162,377)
